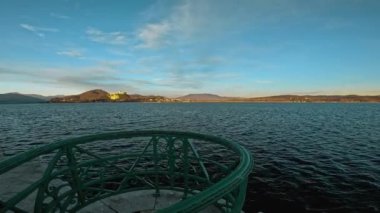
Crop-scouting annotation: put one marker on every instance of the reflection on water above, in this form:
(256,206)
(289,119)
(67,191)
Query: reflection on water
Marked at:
(308,157)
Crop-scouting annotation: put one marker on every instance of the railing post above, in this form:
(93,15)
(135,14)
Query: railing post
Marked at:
(171,159)
(156,159)
(39,202)
(185,146)
(239,202)
(76,184)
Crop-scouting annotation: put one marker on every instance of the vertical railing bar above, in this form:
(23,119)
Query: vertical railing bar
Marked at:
(39,198)
(72,165)
(155,155)
(185,145)
(241,196)
(171,160)
(229,203)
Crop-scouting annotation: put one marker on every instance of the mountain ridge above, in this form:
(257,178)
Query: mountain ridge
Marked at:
(16,98)
(99,95)
(202,96)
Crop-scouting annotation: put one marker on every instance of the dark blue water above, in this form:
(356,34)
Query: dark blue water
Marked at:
(308,157)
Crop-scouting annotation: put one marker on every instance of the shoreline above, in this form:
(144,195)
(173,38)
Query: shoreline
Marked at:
(210,102)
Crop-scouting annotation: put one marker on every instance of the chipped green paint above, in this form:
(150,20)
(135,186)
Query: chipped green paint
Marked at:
(79,171)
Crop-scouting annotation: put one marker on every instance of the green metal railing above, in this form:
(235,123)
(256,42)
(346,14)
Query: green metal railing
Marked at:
(208,171)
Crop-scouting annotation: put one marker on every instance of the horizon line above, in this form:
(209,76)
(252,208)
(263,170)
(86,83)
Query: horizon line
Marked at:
(208,93)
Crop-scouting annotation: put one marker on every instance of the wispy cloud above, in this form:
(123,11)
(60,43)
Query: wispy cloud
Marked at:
(59,16)
(104,75)
(39,31)
(193,20)
(71,53)
(114,38)
(154,35)
(85,82)
(188,21)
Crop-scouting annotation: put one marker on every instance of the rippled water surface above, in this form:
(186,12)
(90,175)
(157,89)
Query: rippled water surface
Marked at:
(308,157)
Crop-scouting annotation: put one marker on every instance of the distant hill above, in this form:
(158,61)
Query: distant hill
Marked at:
(47,98)
(99,95)
(316,98)
(202,97)
(96,95)
(280,98)
(16,98)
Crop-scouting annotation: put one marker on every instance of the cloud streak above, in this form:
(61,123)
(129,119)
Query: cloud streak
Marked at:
(114,38)
(191,21)
(39,31)
(71,53)
(106,74)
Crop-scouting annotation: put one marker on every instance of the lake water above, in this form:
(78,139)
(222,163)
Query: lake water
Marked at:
(308,157)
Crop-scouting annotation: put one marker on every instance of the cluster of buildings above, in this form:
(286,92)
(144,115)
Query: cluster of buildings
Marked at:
(116,95)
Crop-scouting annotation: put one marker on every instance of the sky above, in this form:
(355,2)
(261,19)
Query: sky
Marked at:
(246,48)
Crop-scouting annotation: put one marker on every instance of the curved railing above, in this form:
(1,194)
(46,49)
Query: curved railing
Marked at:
(208,170)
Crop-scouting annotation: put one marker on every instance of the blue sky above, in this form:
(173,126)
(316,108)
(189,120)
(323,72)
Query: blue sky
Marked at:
(244,48)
